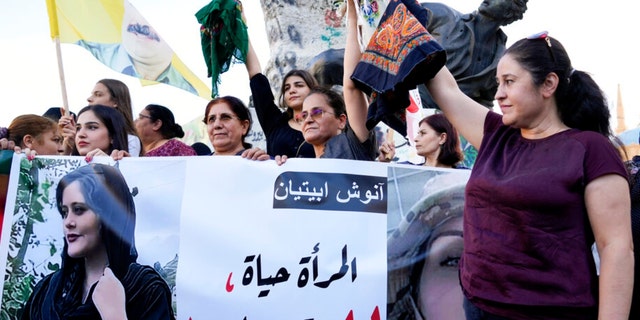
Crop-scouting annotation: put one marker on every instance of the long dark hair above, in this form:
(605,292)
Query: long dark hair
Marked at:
(580,101)
(169,129)
(106,193)
(114,121)
(306,76)
(450,152)
(121,97)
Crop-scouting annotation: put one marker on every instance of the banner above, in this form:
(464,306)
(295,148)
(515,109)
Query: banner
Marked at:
(122,39)
(242,239)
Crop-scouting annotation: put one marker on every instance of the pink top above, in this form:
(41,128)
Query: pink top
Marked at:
(172,148)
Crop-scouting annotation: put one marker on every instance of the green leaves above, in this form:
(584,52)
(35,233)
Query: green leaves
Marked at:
(35,195)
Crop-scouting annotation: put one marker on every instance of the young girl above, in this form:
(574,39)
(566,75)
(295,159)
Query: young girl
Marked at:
(111,93)
(100,131)
(283,133)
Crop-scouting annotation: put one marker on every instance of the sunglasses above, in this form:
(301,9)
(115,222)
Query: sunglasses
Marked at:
(315,114)
(544,35)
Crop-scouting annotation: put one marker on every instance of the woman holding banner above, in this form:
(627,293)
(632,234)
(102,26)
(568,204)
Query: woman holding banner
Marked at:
(100,131)
(35,133)
(228,123)
(99,277)
(29,133)
(282,131)
(323,118)
(111,93)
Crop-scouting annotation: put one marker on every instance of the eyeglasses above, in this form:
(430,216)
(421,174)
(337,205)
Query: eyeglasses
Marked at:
(544,35)
(144,116)
(315,113)
(224,118)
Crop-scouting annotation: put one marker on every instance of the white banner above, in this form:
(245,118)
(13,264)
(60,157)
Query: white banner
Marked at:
(241,239)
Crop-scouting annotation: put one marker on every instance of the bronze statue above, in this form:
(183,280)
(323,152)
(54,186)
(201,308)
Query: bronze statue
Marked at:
(474,43)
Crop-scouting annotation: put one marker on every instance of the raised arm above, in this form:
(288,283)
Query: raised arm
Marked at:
(263,100)
(252,63)
(466,115)
(355,100)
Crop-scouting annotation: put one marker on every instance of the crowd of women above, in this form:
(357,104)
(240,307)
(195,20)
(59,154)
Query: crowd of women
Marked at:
(548,183)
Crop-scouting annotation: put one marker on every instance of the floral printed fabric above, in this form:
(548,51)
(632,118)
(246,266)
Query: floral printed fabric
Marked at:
(400,55)
(172,148)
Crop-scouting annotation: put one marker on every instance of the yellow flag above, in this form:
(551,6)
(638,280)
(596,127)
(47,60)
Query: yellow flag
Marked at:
(118,36)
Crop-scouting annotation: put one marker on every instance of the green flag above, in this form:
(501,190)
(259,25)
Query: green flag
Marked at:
(224,37)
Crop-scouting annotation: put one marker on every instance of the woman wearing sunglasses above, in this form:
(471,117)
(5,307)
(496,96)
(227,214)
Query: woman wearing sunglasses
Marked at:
(323,118)
(324,125)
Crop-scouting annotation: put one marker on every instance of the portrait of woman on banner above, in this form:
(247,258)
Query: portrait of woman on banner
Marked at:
(99,275)
(424,248)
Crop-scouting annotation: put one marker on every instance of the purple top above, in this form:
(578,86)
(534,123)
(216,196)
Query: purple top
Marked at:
(172,148)
(527,236)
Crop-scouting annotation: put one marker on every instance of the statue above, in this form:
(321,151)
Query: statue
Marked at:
(297,31)
(474,43)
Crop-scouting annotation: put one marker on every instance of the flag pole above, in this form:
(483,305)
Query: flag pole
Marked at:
(63,86)
(55,35)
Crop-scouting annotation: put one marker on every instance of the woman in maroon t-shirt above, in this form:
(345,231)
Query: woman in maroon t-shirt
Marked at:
(547,182)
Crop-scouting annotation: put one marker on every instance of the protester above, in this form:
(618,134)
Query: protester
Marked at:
(282,132)
(437,142)
(157,130)
(100,131)
(34,134)
(31,134)
(547,182)
(324,113)
(111,93)
(99,277)
(228,123)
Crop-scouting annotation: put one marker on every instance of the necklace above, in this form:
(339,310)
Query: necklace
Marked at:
(155,144)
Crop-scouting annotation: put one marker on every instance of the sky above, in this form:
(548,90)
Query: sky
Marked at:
(599,37)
